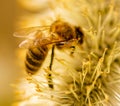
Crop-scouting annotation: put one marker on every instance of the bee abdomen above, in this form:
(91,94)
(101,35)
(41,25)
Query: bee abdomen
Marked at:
(35,58)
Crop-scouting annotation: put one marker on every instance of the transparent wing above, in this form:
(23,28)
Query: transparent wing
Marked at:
(30,34)
(26,43)
(30,31)
(42,41)
(36,36)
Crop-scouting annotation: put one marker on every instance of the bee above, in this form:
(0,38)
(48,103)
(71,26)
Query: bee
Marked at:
(38,39)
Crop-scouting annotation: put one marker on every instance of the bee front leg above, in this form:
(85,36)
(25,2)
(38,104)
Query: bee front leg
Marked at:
(73,49)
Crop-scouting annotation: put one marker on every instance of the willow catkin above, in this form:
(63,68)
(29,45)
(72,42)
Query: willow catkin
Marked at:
(91,75)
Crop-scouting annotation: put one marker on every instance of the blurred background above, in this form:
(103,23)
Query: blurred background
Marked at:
(9,71)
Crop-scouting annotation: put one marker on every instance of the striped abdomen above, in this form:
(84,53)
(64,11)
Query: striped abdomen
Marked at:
(34,58)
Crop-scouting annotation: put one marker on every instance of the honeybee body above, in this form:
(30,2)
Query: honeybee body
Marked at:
(61,33)
(66,32)
(34,58)
(63,30)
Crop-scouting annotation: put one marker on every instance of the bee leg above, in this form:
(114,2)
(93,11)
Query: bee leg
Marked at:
(50,82)
(73,49)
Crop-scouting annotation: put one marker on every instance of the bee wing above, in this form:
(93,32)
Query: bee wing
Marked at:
(29,35)
(26,43)
(29,32)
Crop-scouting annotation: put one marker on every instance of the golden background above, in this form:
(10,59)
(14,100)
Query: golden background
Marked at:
(9,71)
